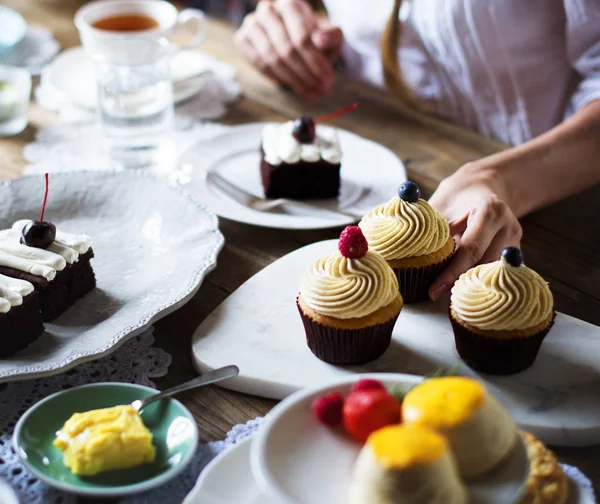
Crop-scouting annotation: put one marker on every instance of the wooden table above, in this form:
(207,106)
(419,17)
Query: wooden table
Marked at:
(561,242)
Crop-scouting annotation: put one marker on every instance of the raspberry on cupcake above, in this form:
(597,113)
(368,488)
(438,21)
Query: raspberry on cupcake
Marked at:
(413,238)
(349,303)
(501,312)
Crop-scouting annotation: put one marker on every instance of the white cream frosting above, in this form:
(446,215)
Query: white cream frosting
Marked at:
(280,146)
(12,291)
(45,263)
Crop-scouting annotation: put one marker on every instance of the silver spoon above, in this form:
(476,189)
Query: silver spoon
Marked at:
(210,377)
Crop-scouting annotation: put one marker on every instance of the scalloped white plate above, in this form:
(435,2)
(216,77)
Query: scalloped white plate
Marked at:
(153,246)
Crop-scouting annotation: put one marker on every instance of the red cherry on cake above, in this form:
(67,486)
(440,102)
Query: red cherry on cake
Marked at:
(39,234)
(353,244)
(328,409)
(304,129)
(367,384)
(370,410)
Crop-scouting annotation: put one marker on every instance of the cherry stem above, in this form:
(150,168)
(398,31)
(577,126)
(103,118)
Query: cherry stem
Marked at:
(328,117)
(45,199)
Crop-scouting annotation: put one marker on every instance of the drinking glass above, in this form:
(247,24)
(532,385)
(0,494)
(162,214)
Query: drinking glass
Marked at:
(135,100)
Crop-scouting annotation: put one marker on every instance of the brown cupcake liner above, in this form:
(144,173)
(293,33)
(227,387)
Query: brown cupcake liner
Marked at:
(414,282)
(498,356)
(347,346)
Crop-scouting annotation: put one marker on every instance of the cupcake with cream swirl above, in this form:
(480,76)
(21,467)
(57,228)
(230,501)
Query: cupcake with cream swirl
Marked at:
(501,313)
(349,303)
(413,238)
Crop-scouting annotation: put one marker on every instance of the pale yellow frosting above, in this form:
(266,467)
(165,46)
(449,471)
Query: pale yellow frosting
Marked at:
(501,297)
(401,229)
(343,288)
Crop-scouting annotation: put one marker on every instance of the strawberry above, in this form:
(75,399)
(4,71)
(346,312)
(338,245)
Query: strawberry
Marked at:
(328,409)
(367,411)
(353,244)
(367,384)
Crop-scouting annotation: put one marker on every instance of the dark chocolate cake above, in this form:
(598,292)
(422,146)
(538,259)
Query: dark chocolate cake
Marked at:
(20,320)
(300,161)
(60,273)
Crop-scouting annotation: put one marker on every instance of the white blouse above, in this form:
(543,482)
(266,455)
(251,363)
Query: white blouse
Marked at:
(510,69)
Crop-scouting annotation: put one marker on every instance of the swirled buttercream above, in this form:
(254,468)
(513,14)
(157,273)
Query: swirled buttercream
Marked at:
(399,229)
(344,288)
(280,146)
(501,297)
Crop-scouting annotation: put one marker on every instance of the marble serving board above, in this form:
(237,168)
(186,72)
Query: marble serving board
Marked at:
(259,329)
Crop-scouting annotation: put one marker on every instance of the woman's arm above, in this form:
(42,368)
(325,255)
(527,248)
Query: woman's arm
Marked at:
(483,199)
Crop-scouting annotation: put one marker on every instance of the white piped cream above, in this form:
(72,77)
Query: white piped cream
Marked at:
(280,146)
(12,292)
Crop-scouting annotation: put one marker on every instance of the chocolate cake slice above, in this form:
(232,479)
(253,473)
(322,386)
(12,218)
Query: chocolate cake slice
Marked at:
(300,160)
(61,273)
(20,320)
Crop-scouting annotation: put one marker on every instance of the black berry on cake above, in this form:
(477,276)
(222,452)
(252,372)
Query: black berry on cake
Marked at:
(55,263)
(301,159)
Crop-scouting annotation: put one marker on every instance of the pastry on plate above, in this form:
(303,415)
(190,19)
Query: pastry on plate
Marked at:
(300,160)
(349,302)
(20,319)
(479,430)
(55,262)
(547,482)
(406,464)
(501,312)
(413,238)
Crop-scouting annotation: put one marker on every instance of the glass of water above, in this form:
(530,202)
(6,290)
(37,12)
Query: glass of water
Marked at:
(135,101)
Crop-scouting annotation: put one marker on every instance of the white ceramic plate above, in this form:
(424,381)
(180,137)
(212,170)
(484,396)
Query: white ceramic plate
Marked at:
(556,399)
(153,247)
(72,73)
(214,484)
(297,460)
(235,154)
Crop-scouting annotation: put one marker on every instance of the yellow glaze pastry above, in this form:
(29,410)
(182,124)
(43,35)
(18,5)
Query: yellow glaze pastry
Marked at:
(444,403)
(105,439)
(501,297)
(406,464)
(400,229)
(479,430)
(344,288)
(411,445)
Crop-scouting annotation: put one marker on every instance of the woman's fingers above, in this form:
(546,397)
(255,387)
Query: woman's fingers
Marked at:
(509,236)
(300,23)
(483,224)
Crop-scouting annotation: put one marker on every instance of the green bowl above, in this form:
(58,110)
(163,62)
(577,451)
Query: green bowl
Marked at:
(174,431)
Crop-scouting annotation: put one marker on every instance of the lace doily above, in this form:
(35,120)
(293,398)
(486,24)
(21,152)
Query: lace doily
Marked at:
(35,50)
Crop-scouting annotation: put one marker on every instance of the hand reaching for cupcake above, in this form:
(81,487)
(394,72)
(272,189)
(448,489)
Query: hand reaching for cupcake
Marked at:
(481,222)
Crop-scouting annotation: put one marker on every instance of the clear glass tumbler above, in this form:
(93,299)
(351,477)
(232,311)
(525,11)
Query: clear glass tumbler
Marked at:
(15,90)
(135,101)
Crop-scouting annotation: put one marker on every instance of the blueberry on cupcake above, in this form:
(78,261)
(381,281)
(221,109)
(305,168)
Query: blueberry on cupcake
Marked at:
(501,312)
(349,302)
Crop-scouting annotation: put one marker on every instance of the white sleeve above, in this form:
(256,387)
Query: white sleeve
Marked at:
(583,49)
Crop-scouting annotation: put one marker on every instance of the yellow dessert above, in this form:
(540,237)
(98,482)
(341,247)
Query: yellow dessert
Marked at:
(480,431)
(104,440)
(406,464)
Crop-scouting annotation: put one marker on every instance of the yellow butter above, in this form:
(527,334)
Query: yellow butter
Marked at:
(443,403)
(404,446)
(105,439)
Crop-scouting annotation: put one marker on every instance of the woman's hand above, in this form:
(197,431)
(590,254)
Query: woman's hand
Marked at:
(285,40)
(481,221)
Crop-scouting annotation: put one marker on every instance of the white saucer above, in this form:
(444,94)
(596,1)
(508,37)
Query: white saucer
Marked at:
(235,154)
(72,73)
(228,479)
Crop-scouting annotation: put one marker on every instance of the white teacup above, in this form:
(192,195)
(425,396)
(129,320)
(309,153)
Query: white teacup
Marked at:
(171,24)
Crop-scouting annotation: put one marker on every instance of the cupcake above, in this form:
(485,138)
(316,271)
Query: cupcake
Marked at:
(479,430)
(349,303)
(413,238)
(406,464)
(501,313)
